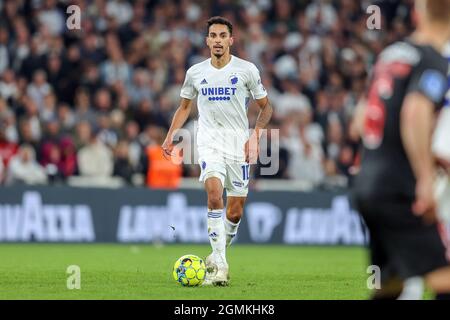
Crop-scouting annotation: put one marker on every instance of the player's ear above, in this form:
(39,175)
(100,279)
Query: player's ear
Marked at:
(231,41)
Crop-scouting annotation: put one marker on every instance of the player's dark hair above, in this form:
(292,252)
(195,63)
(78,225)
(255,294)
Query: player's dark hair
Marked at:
(219,20)
(439,10)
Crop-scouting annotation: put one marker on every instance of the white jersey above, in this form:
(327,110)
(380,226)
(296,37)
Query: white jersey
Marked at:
(223,96)
(441,144)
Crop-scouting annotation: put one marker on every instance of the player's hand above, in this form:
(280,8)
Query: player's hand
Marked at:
(425,203)
(251,149)
(167,147)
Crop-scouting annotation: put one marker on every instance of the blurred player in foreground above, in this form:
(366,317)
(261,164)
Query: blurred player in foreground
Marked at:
(223,84)
(441,150)
(394,189)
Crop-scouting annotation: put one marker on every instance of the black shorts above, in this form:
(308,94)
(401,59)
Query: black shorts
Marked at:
(401,244)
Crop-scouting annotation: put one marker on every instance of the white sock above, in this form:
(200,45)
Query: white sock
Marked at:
(231,230)
(217,235)
(413,289)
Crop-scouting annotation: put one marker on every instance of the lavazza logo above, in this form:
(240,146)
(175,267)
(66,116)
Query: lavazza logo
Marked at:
(177,221)
(32,220)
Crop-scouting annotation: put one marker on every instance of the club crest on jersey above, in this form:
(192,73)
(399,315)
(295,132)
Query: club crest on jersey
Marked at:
(233,79)
(433,84)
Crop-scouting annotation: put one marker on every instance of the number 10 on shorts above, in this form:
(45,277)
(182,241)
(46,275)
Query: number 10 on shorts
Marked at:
(245,172)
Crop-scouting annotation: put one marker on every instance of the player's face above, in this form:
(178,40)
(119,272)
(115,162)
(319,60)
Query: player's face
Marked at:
(219,40)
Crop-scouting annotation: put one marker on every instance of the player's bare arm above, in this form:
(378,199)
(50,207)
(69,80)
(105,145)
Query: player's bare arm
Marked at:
(265,114)
(252,145)
(416,131)
(179,118)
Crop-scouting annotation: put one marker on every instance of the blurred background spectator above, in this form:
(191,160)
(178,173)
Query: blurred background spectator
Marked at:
(24,169)
(91,102)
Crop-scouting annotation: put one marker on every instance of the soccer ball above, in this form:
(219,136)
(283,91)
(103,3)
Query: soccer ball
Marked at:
(189,270)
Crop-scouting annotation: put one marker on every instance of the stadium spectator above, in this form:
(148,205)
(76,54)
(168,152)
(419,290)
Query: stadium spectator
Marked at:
(4,54)
(161,172)
(31,112)
(105,133)
(90,78)
(91,49)
(122,165)
(84,111)
(335,138)
(115,68)
(103,101)
(26,135)
(51,17)
(68,162)
(7,148)
(83,133)
(139,90)
(34,59)
(23,168)
(48,111)
(66,118)
(39,88)
(305,148)
(71,67)
(291,99)
(95,159)
(131,135)
(8,85)
(56,77)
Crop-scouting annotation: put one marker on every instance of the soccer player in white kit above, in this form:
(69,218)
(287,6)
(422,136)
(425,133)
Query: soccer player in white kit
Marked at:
(223,85)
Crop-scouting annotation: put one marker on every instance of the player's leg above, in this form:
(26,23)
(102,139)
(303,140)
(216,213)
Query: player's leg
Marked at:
(216,263)
(235,209)
(214,190)
(418,253)
(391,284)
(439,282)
(236,185)
(216,227)
(213,174)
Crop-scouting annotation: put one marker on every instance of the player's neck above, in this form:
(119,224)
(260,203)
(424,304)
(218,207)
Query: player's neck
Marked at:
(431,35)
(220,62)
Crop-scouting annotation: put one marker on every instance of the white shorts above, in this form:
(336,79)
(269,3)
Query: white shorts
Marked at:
(234,176)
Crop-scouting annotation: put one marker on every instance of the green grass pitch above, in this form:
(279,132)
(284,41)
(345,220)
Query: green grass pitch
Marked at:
(38,271)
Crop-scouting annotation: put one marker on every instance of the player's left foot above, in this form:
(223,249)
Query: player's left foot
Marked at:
(208,281)
(211,265)
(222,278)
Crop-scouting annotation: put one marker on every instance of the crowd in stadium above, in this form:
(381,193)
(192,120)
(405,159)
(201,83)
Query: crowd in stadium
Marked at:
(93,102)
